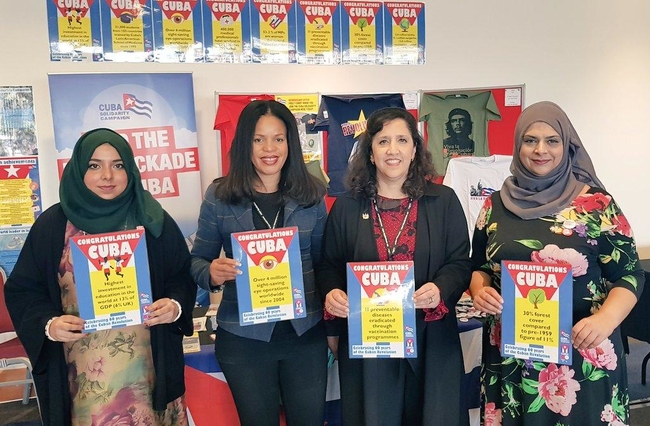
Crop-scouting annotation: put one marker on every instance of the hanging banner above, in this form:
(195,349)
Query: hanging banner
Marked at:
(363,40)
(178,29)
(227,31)
(273,25)
(20,189)
(404,31)
(155,113)
(319,35)
(74,29)
(127,30)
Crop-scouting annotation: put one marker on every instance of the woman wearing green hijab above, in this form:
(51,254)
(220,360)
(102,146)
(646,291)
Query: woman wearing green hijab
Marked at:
(132,374)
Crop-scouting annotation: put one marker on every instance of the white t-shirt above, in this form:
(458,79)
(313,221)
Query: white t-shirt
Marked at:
(474,179)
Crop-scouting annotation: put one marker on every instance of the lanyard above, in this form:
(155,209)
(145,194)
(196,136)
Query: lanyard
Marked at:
(275,222)
(391,250)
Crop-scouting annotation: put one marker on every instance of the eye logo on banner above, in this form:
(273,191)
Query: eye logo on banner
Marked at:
(177,11)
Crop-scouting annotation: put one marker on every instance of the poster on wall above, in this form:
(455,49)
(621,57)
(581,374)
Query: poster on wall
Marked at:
(155,113)
(178,31)
(227,31)
(363,33)
(74,30)
(404,29)
(305,109)
(319,32)
(273,26)
(127,30)
(20,192)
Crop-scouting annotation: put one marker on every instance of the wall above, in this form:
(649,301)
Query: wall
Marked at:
(589,56)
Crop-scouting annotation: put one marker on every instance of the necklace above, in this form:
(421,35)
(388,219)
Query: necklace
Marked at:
(391,250)
(275,221)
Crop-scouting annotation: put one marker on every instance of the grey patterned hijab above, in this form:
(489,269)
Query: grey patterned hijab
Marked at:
(531,197)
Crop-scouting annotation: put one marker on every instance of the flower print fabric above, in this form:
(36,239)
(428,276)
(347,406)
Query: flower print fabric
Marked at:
(595,238)
(110,372)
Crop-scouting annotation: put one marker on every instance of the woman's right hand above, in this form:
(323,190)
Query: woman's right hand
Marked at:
(336,303)
(488,300)
(223,269)
(67,328)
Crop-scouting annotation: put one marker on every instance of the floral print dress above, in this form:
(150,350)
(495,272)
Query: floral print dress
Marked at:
(593,235)
(111,373)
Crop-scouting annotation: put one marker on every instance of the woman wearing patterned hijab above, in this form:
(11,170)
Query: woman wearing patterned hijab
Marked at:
(112,376)
(553,209)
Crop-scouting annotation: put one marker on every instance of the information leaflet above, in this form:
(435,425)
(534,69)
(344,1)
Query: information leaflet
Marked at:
(537,311)
(381,323)
(270,287)
(111,272)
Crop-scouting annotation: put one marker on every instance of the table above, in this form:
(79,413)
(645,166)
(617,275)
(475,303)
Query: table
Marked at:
(210,403)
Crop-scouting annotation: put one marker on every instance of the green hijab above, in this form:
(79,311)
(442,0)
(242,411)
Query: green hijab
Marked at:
(91,213)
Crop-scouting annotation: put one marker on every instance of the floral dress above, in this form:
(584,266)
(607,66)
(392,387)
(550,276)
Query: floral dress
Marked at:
(110,373)
(593,235)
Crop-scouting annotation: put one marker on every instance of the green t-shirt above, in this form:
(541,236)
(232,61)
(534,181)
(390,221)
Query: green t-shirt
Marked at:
(435,108)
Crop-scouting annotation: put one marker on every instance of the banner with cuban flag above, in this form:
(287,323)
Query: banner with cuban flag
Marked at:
(136,106)
(154,113)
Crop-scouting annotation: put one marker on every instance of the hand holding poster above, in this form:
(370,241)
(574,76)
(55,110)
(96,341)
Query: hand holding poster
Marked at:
(270,287)
(382,315)
(111,272)
(537,311)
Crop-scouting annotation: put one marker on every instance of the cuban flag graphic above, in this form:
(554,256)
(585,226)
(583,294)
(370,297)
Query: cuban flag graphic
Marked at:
(135,105)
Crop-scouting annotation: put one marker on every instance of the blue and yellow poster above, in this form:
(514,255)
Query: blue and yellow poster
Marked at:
(111,272)
(270,287)
(537,311)
(381,323)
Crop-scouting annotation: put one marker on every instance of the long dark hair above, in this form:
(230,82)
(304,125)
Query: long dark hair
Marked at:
(295,181)
(361,178)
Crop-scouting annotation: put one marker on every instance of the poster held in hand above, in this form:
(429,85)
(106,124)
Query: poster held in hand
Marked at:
(537,311)
(270,287)
(111,272)
(381,323)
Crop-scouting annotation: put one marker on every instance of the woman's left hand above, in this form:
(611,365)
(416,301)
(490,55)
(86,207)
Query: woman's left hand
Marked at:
(162,311)
(427,296)
(589,332)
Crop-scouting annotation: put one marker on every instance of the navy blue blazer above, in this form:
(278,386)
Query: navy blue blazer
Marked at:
(217,220)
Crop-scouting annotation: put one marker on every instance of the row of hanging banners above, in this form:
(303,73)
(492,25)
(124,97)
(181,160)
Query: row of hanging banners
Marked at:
(325,32)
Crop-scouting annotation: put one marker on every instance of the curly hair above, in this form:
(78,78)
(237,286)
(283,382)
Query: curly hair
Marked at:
(361,178)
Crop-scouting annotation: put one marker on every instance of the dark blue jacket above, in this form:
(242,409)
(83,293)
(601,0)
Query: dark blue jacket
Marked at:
(218,220)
